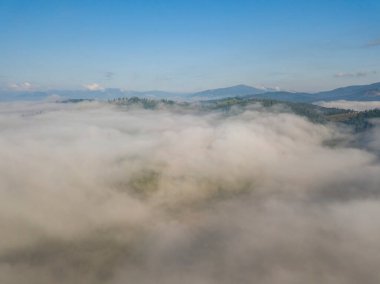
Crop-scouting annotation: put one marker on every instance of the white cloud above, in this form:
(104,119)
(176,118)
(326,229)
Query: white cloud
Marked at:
(25,86)
(93,87)
(351,74)
(354,105)
(265,88)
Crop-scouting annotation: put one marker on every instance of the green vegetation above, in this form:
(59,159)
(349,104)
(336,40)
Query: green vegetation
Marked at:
(360,121)
(142,102)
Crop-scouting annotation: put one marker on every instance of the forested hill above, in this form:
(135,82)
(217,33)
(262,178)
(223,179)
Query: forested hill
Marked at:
(317,114)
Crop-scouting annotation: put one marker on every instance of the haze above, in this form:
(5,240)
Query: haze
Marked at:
(95,193)
(191,142)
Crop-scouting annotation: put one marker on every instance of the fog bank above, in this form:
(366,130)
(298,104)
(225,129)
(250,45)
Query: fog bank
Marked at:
(94,193)
(354,105)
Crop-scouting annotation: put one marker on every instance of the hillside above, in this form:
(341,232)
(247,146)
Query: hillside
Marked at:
(358,120)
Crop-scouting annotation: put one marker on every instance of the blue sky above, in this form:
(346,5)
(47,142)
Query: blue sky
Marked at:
(188,45)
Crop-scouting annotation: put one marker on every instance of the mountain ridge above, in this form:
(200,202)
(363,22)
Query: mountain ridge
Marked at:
(369,92)
(239,90)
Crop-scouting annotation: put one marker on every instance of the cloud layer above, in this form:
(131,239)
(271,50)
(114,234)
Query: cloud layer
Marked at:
(354,105)
(92,193)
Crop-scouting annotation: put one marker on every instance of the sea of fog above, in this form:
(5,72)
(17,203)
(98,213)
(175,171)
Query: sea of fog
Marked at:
(94,193)
(354,105)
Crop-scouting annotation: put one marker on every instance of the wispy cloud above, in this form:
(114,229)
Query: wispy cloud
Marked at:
(25,86)
(373,43)
(93,87)
(109,75)
(354,74)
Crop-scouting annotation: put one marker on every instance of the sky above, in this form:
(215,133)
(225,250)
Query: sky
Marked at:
(186,46)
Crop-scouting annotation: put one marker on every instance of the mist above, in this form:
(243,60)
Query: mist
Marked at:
(354,105)
(96,193)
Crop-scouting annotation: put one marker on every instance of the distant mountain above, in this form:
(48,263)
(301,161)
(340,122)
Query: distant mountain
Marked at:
(352,93)
(284,96)
(154,94)
(234,91)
